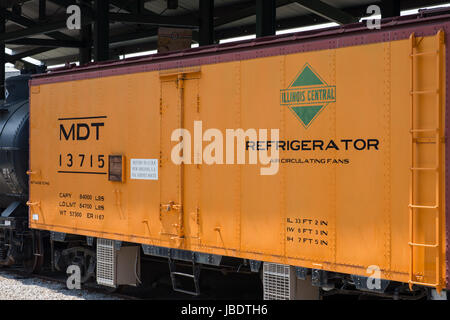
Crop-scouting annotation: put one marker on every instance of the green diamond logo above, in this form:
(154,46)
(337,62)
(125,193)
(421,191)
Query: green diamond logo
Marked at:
(307,95)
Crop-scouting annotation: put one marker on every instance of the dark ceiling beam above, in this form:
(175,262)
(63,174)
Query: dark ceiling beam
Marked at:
(101,30)
(135,6)
(46,43)
(234,12)
(28,23)
(28,53)
(37,29)
(141,47)
(183,21)
(17,19)
(134,36)
(326,11)
(240,11)
(64,3)
(129,6)
(266,17)
(138,7)
(390,8)
(85,53)
(206,30)
(40,28)
(8,3)
(42,9)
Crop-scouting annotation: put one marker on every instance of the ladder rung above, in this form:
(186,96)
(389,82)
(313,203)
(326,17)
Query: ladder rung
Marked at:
(422,207)
(424,140)
(183,274)
(424,92)
(423,245)
(431,169)
(423,283)
(424,130)
(192,293)
(424,53)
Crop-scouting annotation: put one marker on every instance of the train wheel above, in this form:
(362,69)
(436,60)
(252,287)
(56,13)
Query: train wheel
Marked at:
(34,264)
(3,256)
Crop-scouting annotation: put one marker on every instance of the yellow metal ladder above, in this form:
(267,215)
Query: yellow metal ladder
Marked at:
(436,169)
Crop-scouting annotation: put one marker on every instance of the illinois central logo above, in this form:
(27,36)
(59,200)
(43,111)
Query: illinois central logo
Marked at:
(307,95)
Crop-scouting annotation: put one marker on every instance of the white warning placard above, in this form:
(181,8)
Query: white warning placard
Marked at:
(144,169)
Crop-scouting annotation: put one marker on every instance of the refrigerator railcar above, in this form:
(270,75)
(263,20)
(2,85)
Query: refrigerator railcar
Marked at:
(321,154)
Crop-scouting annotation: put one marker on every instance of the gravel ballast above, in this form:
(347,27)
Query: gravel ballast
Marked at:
(15,287)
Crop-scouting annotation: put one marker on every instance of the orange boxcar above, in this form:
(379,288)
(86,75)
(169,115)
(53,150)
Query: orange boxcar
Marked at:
(323,150)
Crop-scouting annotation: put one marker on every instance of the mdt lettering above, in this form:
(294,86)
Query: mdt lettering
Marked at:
(80,131)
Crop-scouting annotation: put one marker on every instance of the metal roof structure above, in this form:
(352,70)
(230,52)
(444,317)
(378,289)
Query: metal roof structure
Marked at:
(110,28)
